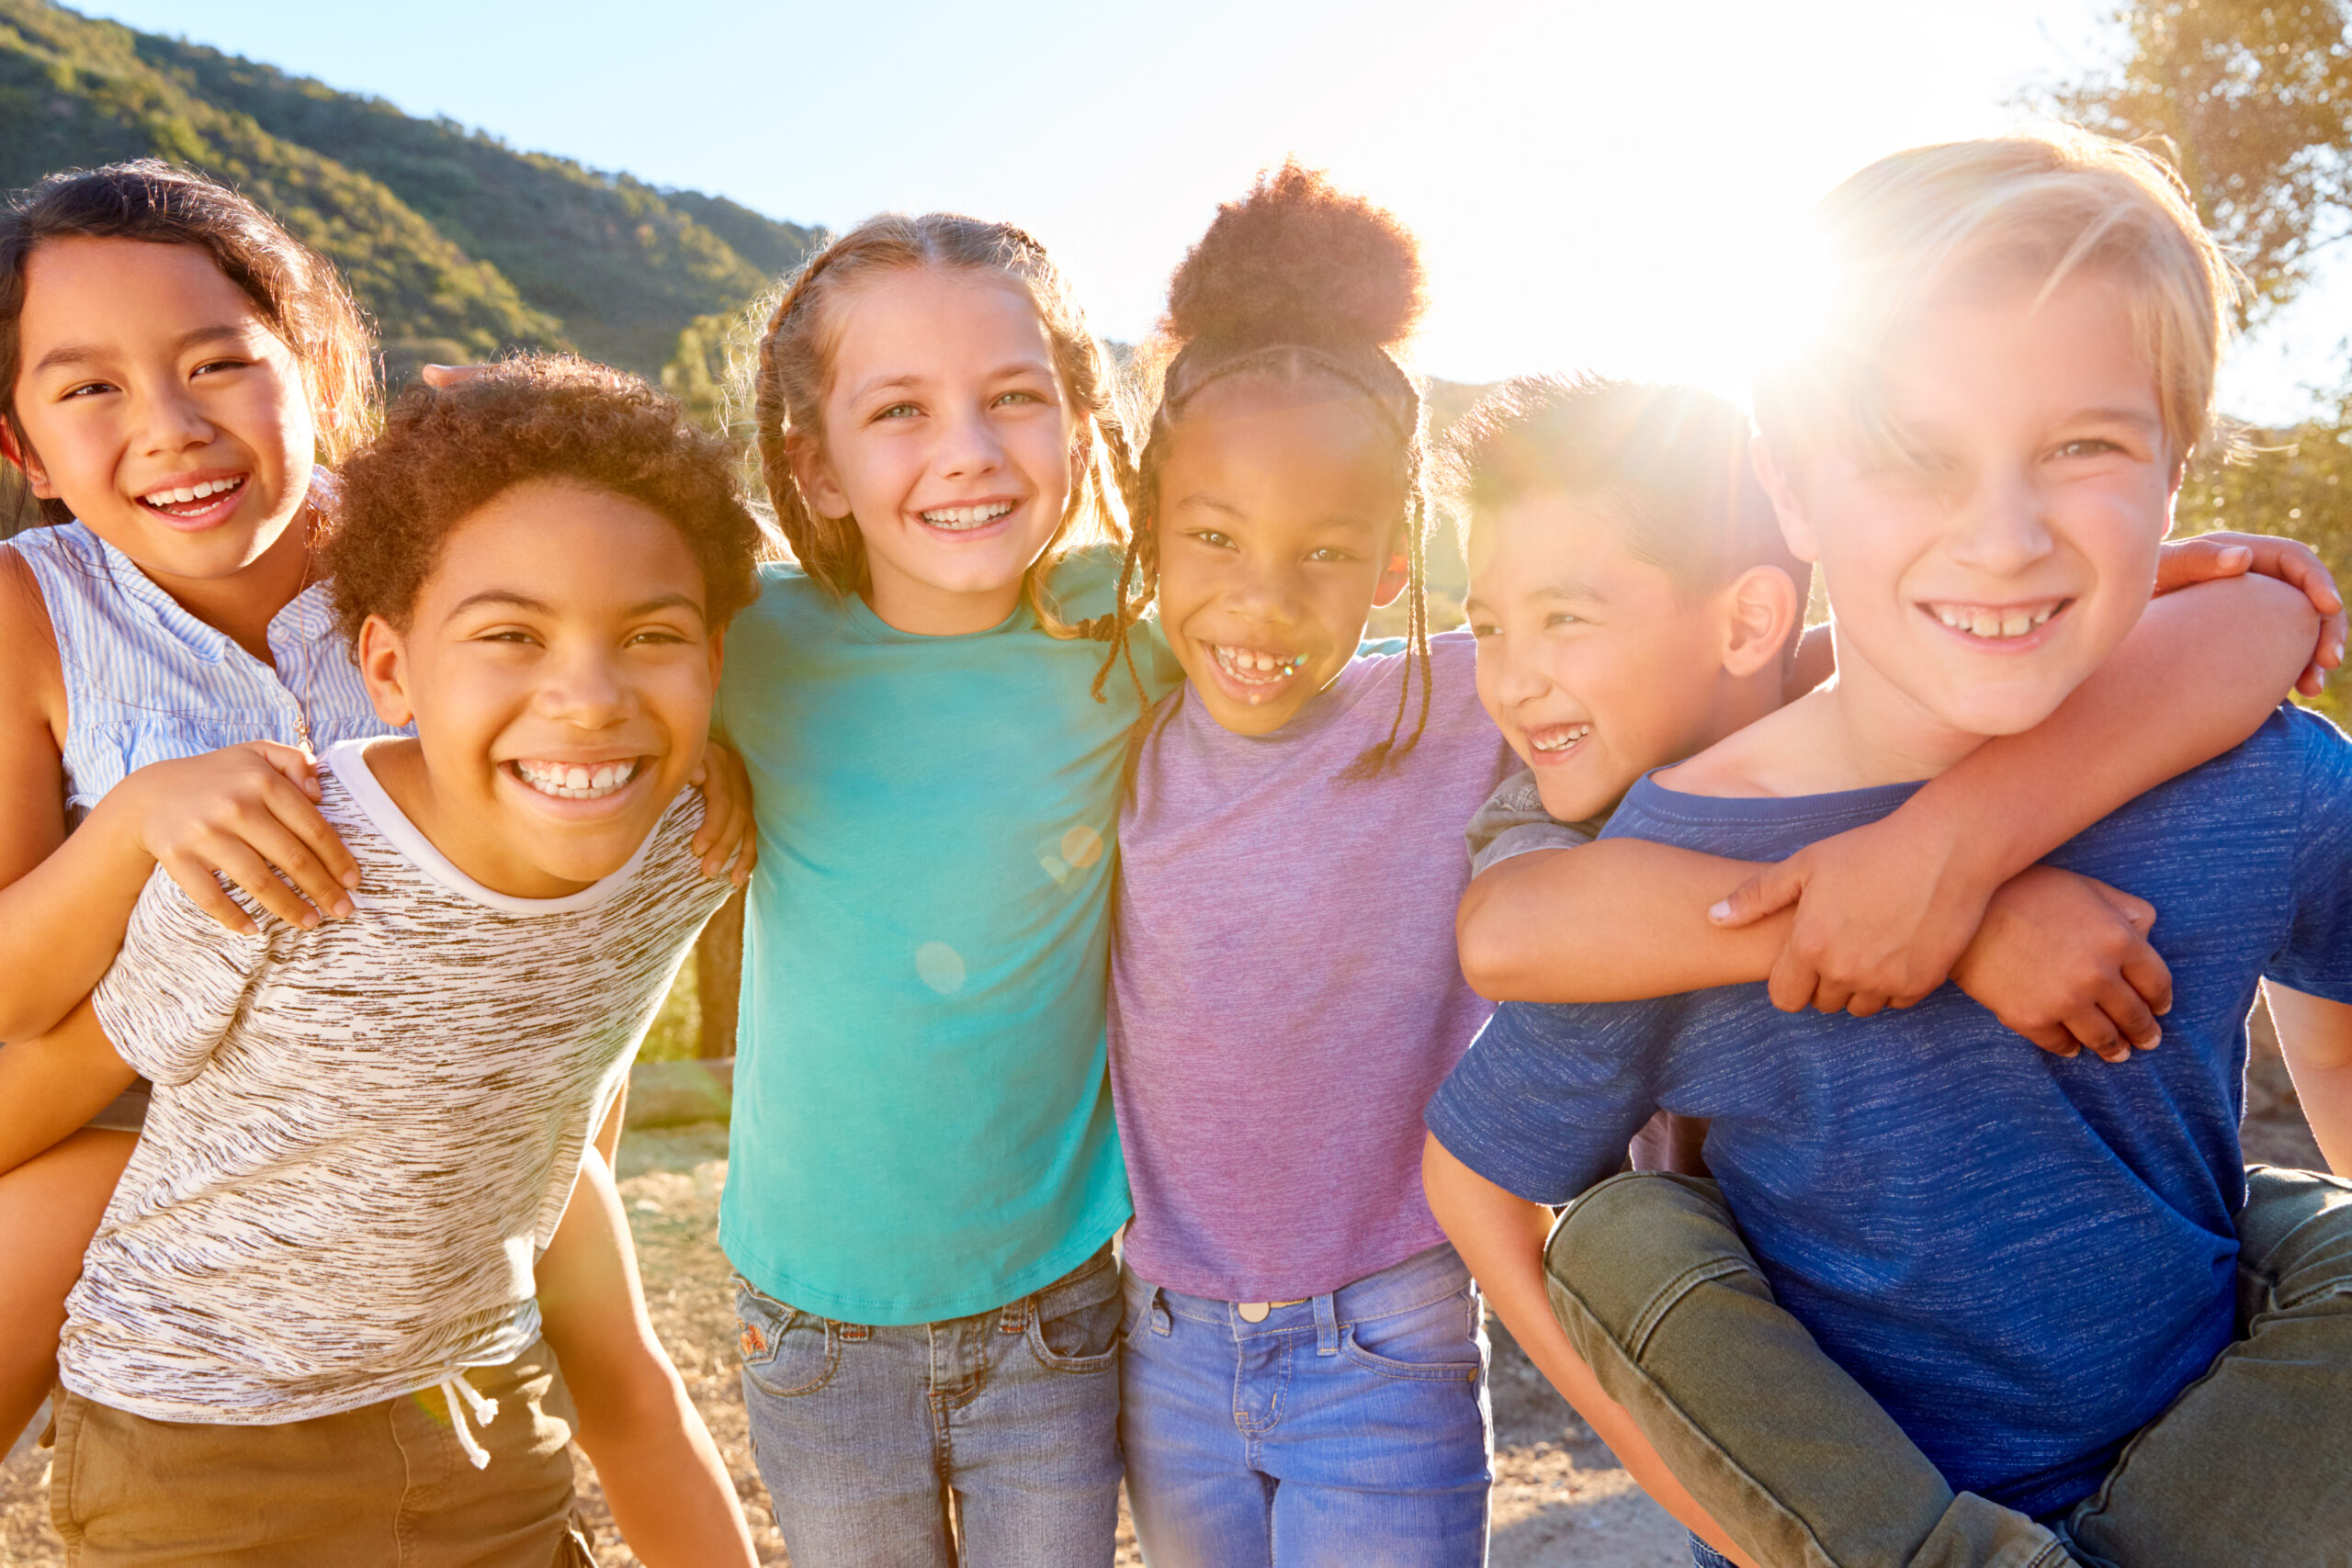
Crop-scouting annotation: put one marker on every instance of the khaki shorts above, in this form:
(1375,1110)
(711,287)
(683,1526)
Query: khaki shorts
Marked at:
(385,1486)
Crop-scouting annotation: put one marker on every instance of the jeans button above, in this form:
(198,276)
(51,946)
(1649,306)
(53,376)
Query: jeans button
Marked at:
(1253,1311)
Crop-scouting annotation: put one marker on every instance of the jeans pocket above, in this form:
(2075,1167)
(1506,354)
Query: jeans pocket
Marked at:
(1436,1343)
(1074,1323)
(785,1352)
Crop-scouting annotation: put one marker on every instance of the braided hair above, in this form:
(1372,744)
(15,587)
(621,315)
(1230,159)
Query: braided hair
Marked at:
(795,367)
(1297,281)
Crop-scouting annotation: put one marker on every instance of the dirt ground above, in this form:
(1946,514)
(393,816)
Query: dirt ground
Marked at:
(1559,1497)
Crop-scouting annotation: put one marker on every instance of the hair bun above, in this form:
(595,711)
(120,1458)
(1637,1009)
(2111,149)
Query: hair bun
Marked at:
(1298,259)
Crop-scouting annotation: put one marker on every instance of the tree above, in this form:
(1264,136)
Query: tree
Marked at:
(2256,103)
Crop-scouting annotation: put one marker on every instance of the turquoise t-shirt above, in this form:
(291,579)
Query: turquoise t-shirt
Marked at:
(923,1124)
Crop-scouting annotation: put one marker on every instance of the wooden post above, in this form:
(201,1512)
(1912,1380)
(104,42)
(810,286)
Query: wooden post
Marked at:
(718,976)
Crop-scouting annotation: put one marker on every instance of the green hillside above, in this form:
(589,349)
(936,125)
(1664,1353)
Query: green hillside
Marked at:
(458,244)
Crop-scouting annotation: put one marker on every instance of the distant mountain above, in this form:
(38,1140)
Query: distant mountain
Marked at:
(458,244)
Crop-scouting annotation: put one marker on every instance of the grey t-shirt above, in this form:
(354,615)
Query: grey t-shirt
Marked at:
(363,1134)
(1512,821)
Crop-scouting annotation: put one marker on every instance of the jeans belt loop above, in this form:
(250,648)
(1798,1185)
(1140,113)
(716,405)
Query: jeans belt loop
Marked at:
(1160,1321)
(1326,1324)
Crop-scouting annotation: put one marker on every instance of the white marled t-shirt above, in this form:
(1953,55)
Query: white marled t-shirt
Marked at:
(362,1135)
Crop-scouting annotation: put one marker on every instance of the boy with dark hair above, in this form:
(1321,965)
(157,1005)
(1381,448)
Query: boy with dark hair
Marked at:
(1980,1304)
(307,1330)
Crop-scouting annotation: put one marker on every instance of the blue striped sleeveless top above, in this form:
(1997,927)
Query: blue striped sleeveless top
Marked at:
(147,681)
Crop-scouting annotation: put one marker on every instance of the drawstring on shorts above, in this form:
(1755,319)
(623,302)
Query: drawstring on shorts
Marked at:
(485,1411)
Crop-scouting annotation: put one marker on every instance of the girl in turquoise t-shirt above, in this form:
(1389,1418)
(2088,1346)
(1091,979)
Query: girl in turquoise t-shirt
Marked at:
(924,1175)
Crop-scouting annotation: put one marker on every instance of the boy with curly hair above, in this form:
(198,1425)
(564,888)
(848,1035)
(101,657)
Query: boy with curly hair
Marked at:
(307,1327)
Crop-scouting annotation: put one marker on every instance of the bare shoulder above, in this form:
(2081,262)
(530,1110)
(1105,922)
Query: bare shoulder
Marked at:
(1779,755)
(32,682)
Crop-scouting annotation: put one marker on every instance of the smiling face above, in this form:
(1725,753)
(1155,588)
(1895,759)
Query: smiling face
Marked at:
(1973,587)
(559,675)
(949,438)
(160,407)
(1595,669)
(1281,514)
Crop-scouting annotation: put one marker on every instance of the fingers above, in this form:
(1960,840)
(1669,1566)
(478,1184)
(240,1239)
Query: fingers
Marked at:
(1793,982)
(290,853)
(1862,1004)
(2096,1032)
(440,378)
(197,882)
(2134,1025)
(2150,978)
(2053,1038)
(1768,892)
(2187,562)
(295,765)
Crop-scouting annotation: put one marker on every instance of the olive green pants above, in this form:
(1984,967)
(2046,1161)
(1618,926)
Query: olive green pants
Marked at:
(387,1485)
(1651,1280)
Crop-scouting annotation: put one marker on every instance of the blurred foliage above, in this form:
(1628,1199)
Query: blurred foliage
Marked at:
(2253,102)
(677,1034)
(458,245)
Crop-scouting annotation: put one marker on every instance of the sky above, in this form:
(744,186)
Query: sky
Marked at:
(1593,183)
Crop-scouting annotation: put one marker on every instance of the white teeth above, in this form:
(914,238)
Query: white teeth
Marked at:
(1561,739)
(965,516)
(1252,666)
(1988,622)
(574,781)
(180,495)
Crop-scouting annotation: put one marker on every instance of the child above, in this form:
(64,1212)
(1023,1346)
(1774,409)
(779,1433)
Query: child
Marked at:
(158,332)
(1304,1364)
(2014,1261)
(923,1175)
(364,1131)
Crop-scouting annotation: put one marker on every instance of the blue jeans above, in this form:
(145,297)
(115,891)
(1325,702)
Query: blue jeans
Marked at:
(1353,1428)
(1705,1556)
(990,1440)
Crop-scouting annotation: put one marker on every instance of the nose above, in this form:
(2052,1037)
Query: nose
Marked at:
(584,686)
(1999,527)
(1512,678)
(969,448)
(1261,590)
(169,419)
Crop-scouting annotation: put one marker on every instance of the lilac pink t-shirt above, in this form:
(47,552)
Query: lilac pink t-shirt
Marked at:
(1284,992)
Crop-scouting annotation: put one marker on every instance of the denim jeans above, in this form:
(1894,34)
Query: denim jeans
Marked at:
(1650,1278)
(990,1440)
(1351,1428)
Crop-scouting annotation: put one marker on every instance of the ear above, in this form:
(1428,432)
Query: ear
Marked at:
(1760,615)
(814,473)
(1393,578)
(718,656)
(27,461)
(382,658)
(1796,527)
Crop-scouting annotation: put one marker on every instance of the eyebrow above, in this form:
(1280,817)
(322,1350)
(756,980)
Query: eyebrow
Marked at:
(910,379)
(515,598)
(82,354)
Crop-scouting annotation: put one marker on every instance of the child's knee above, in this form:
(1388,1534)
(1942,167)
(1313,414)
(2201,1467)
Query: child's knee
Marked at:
(1629,1251)
(2295,1237)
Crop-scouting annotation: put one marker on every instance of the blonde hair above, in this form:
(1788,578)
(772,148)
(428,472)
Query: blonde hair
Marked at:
(795,369)
(2033,208)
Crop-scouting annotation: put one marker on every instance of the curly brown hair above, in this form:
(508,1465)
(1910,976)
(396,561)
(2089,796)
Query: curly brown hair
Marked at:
(447,453)
(297,290)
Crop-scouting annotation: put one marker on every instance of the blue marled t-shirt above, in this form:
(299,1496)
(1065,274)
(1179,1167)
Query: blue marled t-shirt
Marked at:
(2024,1259)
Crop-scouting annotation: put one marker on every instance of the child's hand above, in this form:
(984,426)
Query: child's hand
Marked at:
(249,813)
(2186,562)
(1879,918)
(2065,962)
(727,832)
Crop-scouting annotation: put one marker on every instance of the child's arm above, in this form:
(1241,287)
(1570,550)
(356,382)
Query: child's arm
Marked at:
(1500,1236)
(2315,1035)
(53,1084)
(1889,908)
(664,1478)
(728,837)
